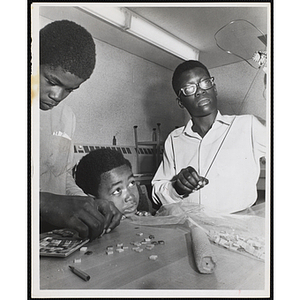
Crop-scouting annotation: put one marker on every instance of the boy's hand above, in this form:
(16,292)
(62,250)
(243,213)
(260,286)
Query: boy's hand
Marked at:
(111,213)
(74,212)
(188,181)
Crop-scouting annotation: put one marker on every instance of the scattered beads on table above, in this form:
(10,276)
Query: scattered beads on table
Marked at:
(153,257)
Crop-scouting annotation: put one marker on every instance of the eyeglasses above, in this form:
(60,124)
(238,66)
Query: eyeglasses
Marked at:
(204,84)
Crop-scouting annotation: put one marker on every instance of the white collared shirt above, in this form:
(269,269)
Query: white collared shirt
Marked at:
(233,174)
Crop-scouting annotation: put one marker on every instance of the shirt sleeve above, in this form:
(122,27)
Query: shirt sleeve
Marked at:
(259,138)
(71,187)
(162,188)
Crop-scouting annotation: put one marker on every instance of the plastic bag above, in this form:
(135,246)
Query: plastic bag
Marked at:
(239,233)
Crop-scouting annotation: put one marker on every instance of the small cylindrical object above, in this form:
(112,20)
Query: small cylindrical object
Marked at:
(120,250)
(154,137)
(80,273)
(137,149)
(203,253)
(149,247)
(158,132)
(135,248)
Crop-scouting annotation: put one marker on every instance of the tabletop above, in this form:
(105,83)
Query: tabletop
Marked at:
(174,267)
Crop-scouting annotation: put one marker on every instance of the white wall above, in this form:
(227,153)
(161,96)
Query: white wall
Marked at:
(241,89)
(124,91)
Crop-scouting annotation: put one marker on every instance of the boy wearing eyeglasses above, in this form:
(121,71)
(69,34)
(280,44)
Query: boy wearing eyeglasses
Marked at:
(214,160)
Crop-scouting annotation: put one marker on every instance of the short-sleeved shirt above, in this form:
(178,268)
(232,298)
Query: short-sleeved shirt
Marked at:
(57,128)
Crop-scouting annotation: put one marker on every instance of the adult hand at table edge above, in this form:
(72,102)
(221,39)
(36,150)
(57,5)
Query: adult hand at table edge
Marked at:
(111,214)
(188,181)
(74,212)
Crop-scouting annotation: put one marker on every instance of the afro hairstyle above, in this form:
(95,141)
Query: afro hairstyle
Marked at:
(93,165)
(68,45)
(185,66)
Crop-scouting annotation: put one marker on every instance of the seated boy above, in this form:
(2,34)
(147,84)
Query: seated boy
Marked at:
(106,174)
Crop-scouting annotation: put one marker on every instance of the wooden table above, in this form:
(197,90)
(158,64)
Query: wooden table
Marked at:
(174,268)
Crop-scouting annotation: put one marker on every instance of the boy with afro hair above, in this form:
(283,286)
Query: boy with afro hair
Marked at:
(106,174)
(67,59)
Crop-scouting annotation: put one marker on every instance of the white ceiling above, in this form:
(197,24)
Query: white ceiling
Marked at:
(195,25)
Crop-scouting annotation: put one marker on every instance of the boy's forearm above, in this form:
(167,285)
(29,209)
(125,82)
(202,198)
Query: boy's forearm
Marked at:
(164,193)
(45,201)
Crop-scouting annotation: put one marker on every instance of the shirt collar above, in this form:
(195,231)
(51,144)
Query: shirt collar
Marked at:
(187,129)
(223,119)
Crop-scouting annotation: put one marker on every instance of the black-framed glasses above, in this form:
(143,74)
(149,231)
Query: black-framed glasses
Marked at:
(204,84)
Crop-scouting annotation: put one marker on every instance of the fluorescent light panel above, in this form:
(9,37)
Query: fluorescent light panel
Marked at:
(144,29)
(113,15)
(161,38)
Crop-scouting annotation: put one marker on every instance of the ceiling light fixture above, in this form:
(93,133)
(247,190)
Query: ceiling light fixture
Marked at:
(114,15)
(144,29)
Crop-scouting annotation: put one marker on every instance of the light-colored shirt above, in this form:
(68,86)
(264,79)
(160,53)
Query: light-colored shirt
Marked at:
(233,174)
(57,128)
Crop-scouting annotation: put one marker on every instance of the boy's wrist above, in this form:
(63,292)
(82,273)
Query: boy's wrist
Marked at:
(178,190)
(174,193)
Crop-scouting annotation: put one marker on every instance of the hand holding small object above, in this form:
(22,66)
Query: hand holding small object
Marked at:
(111,214)
(188,181)
(75,212)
